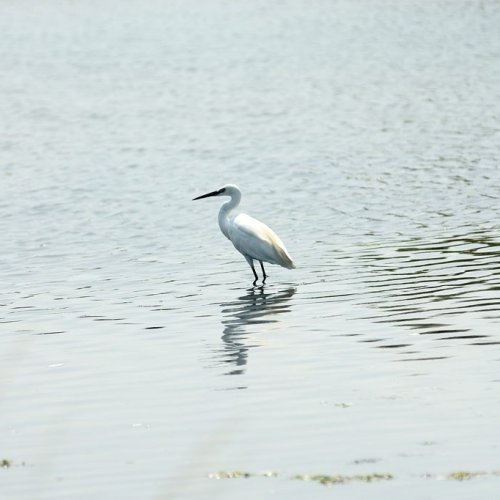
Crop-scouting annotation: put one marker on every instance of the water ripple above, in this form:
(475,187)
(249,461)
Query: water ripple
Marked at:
(412,283)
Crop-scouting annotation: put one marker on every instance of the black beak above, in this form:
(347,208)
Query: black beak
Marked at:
(213,193)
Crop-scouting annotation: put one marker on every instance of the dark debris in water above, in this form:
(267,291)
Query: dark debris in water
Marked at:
(464,475)
(7,463)
(334,479)
(319,478)
(237,474)
(360,461)
(342,479)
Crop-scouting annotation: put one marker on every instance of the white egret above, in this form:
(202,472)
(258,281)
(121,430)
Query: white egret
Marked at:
(249,236)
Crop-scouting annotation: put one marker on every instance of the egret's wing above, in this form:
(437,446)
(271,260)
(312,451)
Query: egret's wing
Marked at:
(253,238)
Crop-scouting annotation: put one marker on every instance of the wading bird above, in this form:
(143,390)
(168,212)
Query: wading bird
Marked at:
(253,239)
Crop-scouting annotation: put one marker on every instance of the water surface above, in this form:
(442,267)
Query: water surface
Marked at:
(136,358)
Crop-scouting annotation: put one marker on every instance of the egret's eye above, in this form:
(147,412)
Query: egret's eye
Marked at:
(222,190)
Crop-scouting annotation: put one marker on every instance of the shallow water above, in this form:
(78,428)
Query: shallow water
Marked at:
(136,359)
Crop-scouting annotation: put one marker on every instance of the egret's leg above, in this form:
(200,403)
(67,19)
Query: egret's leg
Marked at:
(263,271)
(250,261)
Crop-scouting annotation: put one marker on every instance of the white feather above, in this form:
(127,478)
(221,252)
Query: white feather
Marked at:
(252,238)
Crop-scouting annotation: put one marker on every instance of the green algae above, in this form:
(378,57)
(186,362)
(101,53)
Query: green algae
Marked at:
(342,479)
(237,474)
(335,479)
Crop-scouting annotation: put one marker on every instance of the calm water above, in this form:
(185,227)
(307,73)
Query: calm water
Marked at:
(135,357)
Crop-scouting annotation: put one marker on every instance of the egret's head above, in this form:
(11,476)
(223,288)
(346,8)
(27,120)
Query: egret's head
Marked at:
(227,190)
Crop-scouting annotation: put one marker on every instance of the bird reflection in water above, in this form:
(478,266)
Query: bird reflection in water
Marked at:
(242,317)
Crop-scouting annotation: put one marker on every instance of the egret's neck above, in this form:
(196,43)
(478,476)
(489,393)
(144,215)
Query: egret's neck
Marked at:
(225,212)
(232,203)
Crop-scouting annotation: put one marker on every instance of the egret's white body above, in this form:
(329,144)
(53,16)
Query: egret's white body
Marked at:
(252,238)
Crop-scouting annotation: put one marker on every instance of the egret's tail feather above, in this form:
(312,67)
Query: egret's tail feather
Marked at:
(286,260)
